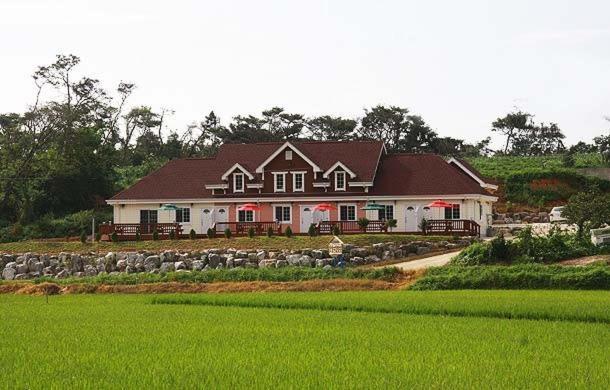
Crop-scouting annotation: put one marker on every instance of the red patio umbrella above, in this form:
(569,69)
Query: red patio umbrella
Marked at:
(249,207)
(324,207)
(440,204)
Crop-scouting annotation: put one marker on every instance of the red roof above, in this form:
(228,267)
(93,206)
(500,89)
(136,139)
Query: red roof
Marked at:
(323,154)
(422,174)
(395,174)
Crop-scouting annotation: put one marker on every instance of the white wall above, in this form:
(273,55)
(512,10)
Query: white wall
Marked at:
(130,213)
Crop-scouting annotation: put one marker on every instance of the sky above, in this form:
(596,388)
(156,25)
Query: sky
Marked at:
(459,65)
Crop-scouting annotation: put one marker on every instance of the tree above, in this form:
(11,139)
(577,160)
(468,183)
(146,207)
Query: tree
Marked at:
(587,210)
(282,125)
(603,146)
(328,128)
(512,126)
(400,131)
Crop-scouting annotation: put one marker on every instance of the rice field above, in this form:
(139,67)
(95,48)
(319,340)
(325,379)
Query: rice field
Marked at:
(307,340)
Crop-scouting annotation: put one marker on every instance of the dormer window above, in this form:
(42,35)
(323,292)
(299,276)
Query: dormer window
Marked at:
(339,181)
(298,181)
(238,182)
(279,181)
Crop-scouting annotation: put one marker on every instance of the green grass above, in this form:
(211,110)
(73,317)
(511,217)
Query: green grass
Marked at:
(264,242)
(524,276)
(587,306)
(118,341)
(285,274)
(500,167)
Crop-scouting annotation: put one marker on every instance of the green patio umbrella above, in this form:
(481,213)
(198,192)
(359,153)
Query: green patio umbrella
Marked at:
(373,206)
(169,207)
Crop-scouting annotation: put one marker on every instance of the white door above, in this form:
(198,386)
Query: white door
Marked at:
(221,215)
(207,219)
(411,219)
(307,215)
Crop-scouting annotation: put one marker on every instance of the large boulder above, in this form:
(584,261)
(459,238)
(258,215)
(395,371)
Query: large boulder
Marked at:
(320,263)
(167,267)
(21,268)
(9,273)
(178,265)
(214,260)
(241,255)
(266,263)
(281,263)
(90,270)
(293,259)
(371,259)
(306,261)
(197,265)
(121,265)
(151,262)
(35,266)
(261,255)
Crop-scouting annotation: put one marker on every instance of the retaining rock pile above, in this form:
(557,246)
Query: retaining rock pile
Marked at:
(32,265)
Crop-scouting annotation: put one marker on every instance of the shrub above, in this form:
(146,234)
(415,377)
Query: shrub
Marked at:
(523,276)
(251,232)
(392,224)
(528,248)
(114,237)
(227,233)
(83,237)
(423,225)
(270,232)
(155,235)
(138,236)
(288,232)
(192,234)
(211,233)
(312,231)
(172,234)
(336,230)
(98,236)
(363,223)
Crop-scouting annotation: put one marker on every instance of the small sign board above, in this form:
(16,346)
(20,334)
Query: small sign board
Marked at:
(335,247)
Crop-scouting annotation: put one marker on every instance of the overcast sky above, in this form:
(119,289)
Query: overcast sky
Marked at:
(458,64)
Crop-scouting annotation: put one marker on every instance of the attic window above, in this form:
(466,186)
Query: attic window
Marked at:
(289,155)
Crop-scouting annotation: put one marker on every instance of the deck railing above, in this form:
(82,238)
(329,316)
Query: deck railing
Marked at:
(458,227)
(242,228)
(326,227)
(127,231)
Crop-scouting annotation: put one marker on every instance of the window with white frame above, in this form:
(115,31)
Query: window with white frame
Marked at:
(387,213)
(148,216)
(452,212)
(183,215)
(279,181)
(347,212)
(289,155)
(298,181)
(238,182)
(340,181)
(283,213)
(245,216)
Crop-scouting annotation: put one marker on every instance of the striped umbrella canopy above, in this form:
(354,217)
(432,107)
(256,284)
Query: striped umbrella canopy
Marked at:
(168,207)
(440,204)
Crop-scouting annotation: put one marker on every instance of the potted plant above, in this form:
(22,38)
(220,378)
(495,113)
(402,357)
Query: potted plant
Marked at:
(363,223)
(391,224)
(423,225)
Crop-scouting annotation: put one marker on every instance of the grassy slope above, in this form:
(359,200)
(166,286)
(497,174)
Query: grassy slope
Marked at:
(499,167)
(296,242)
(121,341)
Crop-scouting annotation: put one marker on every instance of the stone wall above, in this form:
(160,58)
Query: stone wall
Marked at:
(32,265)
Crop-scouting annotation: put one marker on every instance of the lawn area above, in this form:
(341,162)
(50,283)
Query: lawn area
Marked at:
(102,341)
(264,242)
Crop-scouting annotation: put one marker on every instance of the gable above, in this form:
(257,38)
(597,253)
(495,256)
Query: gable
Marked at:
(284,147)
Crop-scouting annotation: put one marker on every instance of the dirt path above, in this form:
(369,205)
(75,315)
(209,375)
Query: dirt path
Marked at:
(432,261)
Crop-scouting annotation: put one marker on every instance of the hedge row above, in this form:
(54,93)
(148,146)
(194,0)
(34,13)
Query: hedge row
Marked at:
(532,276)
